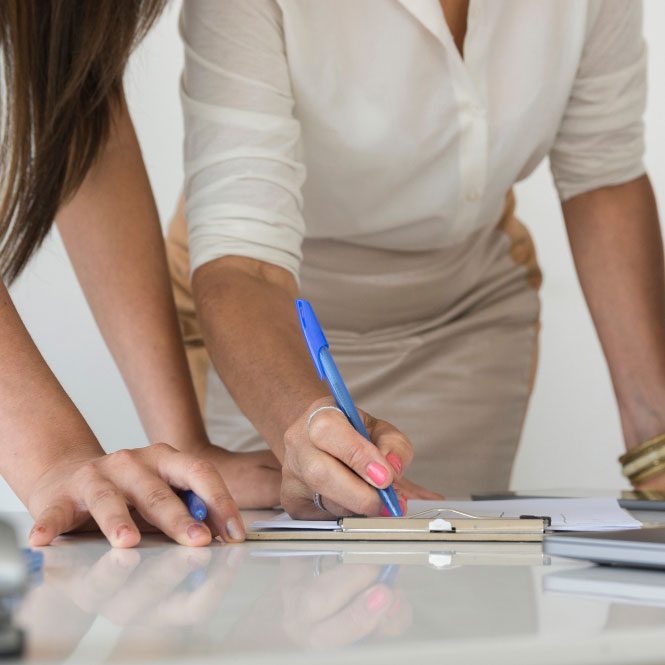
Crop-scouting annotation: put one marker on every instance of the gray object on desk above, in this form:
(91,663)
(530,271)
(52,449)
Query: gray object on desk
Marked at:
(639,548)
(628,499)
(13,579)
(13,570)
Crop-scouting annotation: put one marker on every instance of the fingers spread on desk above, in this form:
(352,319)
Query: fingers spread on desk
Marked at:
(56,518)
(158,504)
(107,505)
(203,478)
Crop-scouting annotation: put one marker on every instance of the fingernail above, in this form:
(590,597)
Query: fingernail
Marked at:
(195,531)
(37,531)
(377,473)
(385,512)
(122,532)
(235,531)
(403,504)
(395,462)
(377,601)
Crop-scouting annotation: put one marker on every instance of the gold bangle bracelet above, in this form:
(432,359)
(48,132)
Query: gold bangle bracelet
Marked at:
(647,474)
(647,459)
(644,447)
(644,461)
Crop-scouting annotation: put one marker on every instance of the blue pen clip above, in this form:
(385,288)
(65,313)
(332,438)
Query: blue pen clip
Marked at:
(327,369)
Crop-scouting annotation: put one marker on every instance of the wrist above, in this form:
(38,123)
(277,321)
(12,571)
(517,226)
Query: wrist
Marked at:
(642,414)
(25,477)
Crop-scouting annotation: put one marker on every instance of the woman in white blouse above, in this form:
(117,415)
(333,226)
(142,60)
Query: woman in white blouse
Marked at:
(362,154)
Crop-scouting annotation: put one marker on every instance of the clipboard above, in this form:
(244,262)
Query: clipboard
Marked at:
(528,528)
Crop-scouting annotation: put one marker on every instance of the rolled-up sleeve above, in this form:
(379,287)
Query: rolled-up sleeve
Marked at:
(600,141)
(243,177)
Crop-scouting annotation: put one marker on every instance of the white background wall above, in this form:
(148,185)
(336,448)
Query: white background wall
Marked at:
(572,434)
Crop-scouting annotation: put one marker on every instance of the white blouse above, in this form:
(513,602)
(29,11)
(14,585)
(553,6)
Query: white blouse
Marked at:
(359,120)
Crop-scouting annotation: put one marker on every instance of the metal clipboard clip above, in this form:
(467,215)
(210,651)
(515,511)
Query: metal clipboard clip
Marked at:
(432,521)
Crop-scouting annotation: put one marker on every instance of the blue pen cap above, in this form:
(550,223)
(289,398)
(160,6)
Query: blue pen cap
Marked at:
(312,332)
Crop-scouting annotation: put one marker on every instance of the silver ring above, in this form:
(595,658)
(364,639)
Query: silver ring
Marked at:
(322,408)
(318,502)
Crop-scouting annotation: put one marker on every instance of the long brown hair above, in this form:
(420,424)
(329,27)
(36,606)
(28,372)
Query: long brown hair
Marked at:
(63,62)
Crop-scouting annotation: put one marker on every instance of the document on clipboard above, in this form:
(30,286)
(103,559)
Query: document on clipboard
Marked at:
(511,520)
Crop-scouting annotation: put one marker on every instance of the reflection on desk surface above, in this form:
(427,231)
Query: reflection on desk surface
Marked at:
(163,601)
(617,585)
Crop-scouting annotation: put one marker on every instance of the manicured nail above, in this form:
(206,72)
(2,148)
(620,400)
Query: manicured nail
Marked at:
(235,531)
(195,531)
(385,512)
(403,504)
(395,462)
(377,601)
(377,473)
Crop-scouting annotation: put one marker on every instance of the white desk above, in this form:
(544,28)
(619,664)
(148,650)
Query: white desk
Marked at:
(308,603)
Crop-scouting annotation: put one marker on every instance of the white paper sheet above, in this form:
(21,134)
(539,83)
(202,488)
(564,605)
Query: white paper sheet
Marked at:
(588,514)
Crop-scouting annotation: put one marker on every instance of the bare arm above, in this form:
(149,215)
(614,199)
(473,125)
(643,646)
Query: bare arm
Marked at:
(616,241)
(51,459)
(50,456)
(39,423)
(249,323)
(112,234)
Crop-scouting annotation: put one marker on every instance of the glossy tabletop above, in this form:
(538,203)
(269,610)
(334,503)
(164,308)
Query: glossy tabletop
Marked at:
(329,603)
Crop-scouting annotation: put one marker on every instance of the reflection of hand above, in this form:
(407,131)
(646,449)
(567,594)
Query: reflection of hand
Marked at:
(340,606)
(254,479)
(325,454)
(136,589)
(176,586)
(71,492)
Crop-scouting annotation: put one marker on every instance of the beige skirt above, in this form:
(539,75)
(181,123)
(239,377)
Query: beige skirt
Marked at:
(442,344)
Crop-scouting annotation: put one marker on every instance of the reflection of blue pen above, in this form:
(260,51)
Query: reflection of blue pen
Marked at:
(197,509)
(388,574)
(325,366)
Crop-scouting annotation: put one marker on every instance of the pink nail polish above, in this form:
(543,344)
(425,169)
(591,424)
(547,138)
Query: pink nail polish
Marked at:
(395,462)
(385,512)
(377,473)
(377,601)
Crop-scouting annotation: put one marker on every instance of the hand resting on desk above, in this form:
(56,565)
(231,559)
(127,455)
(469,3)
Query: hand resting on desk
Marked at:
(97,492)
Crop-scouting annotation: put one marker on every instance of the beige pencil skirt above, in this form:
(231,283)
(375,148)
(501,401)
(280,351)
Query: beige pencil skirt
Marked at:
(442,343)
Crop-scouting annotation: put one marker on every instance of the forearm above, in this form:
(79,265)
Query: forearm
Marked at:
(39,425)
(112,234)
(617,246)
(249,323)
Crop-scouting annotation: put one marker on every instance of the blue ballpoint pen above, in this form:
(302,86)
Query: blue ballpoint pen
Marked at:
(197,509)
(325,366)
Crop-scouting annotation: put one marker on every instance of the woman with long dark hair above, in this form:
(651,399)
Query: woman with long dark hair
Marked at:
(69,153)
